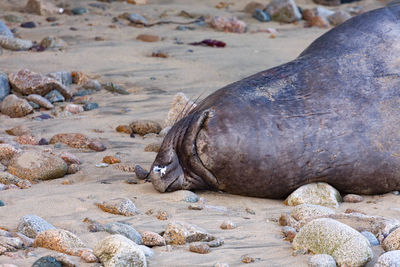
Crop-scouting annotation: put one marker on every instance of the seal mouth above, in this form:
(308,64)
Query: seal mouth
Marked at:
(175,184)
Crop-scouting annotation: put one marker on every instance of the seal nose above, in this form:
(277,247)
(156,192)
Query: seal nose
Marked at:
(167,178)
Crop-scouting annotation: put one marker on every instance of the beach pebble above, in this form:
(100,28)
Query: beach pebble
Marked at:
(228,24)
(43,142)
(315,193)
(4,86)
(53,42)
(26,140)
(389,259)
(283,11)
(74,109)
(8,179)
(338,17)
(125,230)
(304,211)
(180,233)
(73,168)
(153,147)
(47,261)
(371,238)
(180,107)
(287,220)
(199,248)
(63,77)
(120,206)
(79,78)
(7,152)
(162,215)
(32,225)
(111,160)
(1,203)
(250,7)
(115,88)
(152,239)
(40,100)
(392,241)
(54,96)
(19,130)
(319,22)
(70,158)
(327,236)
(183,195)
(117,250)
(321,260)
(289,233)
(15,107)
(41,7)
(228,225)
(215,243)
(352,198)
(79,10)
(124,129)
(10,243)
(33,165)
(136,18)
(15,44)
(247,259)
(143,127)
(27,82)
(261,15)
(5,31)
(141,173)
(75,140)
(97,146)
(90,106)
(148,38)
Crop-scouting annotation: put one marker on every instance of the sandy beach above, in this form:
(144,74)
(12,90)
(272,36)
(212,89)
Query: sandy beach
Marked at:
(152,83)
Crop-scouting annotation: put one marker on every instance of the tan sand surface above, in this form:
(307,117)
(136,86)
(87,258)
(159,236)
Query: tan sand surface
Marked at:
(126,61)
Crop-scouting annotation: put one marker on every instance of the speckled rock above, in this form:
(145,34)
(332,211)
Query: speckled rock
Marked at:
(371,238)
(119,251)
(75,140)
(321,260)
(41,7)
(392,241)
(180,107)
(70,158)
(7,179)
(199,248)
(111,160)
(60,240)
(141,173)
(4,86)
(26,140)
(63,77)
(228,225)
(287,220)
(327,236)
(40,100)
(143,127)
(32,225)
(153,147)
(74,109)
(115,88)
(96,146)
(283,11)
(47,261)
(338,17)
(226,24)
(180,233)
(27,82)
(15,107)
(53,42)
(120,206)
(315,193)
(389,259)
(124,129)
(54,96)
(73,168)
(7,152)
(32,165)
(304,211)
(352,198)
(19,130)
(152,239)
(289,233)
(9,244)
(15,44)
(125,230)
(90,106)
(183,195)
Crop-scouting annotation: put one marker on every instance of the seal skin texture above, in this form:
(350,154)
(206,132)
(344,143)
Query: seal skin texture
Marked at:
(331,115)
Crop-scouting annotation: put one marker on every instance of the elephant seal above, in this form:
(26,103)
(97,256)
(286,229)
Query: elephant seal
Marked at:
(331,115)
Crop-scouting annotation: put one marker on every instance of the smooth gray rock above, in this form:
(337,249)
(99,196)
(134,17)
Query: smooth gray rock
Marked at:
(125,230)
(5,31)
(4,86)
(389,259)
(32,225)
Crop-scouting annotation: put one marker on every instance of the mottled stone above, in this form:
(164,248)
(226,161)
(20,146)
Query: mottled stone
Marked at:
(63,77)
(73,168)
(152,239)
(19,130)
(4,86)
(79,10)
(321,260)
(315,193)
(199,248)
(53,42)
(371,238)
(5,31)
(289,233)
(47,261)
(15,44)
(287,220)
(75,140)
(90,106)
(7,179)
(148,38)
(141,173)
(54,96)
(283,11)
(143,127)
(115,88)
(60,240)
(327,236)
(389,259)
(79,78)
(120,206)
(261,15)
(228,24)
(117,250)
(41,7)
(352,198)
(125,230)
(124,129)
(70,158)
(32,165)
(73,108)
(228,225)
(304,211)
(136,18)
(180,233)
(26,140)
(392,241)
(153,147)
(339,17)
(97,146)
(7,152)
(92,85)
(32,225)
(15,107)
(27,82)
(111,160)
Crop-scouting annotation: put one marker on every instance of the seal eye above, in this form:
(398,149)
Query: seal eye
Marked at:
(160,169)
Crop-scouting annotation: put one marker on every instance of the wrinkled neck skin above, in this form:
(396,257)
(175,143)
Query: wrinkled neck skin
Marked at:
(177,165)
